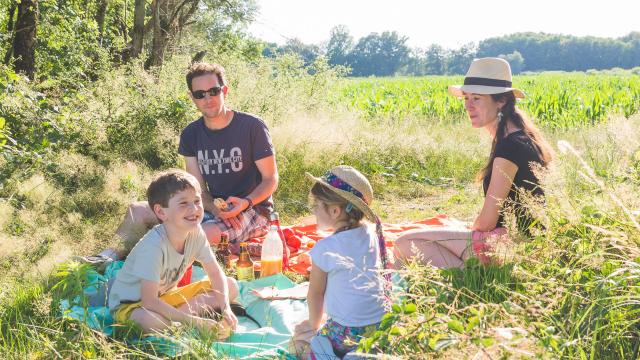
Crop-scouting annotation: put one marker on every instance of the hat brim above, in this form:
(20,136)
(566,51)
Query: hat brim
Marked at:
(353,199)
(459,90)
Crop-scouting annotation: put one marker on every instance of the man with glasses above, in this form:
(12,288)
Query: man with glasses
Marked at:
(231,155)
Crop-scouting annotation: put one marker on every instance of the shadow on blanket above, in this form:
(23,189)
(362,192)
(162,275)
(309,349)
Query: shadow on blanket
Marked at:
(276,318)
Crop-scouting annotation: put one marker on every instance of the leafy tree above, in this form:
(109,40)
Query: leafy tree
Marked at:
(77,39)
(415,64)
(308,53)
(459,60)
(435,60)
(339,46)
(381,55)
(566,52)
(516,61)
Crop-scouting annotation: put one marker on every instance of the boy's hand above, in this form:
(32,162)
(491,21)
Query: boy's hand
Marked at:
(229,317)
(222,328)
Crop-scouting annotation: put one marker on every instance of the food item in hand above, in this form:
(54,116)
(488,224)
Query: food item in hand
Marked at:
(220,204)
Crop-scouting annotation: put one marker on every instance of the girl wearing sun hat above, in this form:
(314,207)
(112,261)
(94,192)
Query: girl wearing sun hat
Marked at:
(347,281)
(517,145)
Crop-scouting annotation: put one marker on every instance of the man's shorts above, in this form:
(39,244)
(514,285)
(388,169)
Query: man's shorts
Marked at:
(175,298)
(252,224)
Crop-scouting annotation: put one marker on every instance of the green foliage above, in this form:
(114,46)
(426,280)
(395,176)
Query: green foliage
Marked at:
(72,277)
(553,100)
(386,54)
(565,52)
(152,128)
(94,134)
(71,48)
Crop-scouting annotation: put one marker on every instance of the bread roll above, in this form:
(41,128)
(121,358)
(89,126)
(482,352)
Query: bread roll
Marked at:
(220,204)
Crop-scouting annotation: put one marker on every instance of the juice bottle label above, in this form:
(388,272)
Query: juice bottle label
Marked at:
(270,267)
(245,273)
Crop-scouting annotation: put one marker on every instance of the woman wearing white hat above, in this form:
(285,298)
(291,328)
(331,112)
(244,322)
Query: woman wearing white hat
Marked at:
(490,102)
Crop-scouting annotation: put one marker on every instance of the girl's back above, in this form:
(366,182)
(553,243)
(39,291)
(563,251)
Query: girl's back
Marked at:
(354,293)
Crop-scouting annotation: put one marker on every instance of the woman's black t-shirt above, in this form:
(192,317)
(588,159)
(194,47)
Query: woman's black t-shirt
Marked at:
(518,148)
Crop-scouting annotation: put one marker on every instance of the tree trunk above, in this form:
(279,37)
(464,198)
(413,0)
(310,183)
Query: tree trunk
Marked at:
(138,29)
(24,43)
(160,34)
(10,16)
(101,12)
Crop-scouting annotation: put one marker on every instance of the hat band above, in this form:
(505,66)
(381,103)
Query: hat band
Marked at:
(486,82)
(338,183)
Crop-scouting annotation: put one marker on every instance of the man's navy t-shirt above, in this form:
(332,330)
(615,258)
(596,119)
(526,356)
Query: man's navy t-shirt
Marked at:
(227,156)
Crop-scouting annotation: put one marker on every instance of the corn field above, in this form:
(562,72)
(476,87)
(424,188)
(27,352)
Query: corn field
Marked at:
(557,101)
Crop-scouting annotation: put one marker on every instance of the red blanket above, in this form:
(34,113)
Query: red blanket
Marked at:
(301,238)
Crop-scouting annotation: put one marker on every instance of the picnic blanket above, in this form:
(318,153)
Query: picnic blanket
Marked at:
(267,340)
(301,238)
(276,318)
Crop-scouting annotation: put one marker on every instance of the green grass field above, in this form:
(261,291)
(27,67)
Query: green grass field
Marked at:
(572,291)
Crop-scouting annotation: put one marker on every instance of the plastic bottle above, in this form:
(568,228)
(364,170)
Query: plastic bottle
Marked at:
(223,254)
(271,257)
(274,219)
(244,266)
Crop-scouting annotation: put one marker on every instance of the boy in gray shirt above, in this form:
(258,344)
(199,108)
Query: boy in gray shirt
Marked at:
(145,288)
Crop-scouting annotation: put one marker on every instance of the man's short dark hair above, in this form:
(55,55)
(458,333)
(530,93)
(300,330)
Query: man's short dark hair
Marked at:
(199,69)
(167,184)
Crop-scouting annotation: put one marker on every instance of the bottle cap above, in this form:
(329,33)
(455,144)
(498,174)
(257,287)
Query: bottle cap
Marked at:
(274,216)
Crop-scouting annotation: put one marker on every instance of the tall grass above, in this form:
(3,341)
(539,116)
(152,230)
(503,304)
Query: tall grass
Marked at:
(571,292)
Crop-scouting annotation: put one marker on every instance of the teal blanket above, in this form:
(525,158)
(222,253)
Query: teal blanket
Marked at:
(270,340)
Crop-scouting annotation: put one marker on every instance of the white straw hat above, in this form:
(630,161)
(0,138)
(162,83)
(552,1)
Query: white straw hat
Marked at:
(487,76)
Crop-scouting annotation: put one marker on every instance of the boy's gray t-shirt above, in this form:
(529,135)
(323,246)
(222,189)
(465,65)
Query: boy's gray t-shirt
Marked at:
(155,259)
(226,157)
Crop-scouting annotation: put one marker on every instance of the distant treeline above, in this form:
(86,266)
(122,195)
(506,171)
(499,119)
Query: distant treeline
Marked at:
(387,54)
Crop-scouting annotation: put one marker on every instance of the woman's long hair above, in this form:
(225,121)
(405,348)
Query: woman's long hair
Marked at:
(514,115)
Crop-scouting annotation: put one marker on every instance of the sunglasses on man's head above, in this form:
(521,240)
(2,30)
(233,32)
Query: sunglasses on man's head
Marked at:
(214,91)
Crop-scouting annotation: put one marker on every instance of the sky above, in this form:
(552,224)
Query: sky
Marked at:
(450,23)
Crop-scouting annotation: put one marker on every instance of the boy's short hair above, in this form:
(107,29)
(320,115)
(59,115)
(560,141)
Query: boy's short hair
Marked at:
(167,184)
(199,69)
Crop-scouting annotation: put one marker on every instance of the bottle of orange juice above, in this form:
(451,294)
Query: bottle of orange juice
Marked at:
(274,219)
(271,257)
